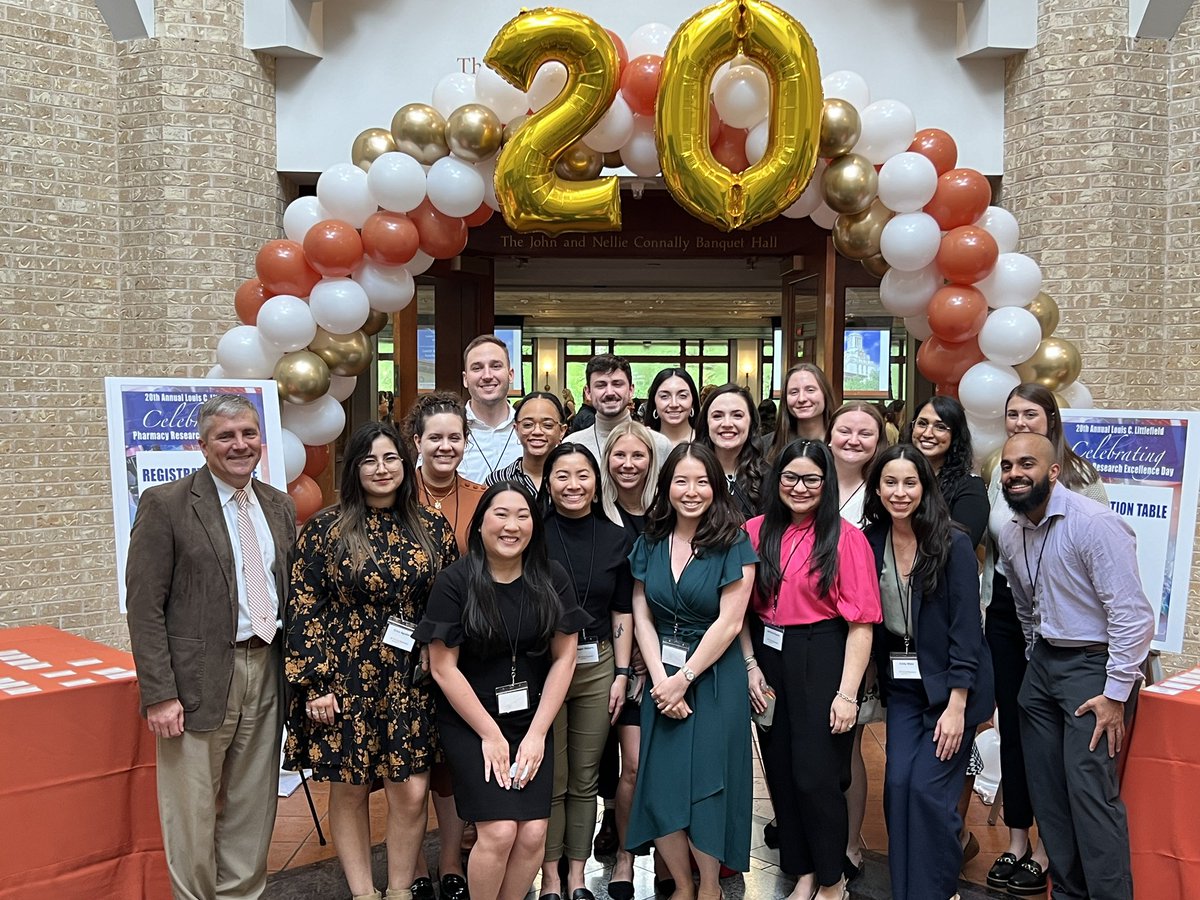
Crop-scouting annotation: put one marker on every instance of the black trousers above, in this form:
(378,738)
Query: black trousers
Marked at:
(807,767)
(1007,643)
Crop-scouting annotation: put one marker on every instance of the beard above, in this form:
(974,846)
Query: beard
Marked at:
(1031,500)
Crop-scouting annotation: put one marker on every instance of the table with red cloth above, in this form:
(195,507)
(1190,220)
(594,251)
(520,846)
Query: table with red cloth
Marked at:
(1161,789)
(78,810)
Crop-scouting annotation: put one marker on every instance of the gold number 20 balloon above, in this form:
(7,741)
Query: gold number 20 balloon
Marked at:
(532,196)
(783,48)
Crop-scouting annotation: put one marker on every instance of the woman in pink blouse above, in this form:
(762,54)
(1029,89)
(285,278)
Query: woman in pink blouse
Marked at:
(807,641)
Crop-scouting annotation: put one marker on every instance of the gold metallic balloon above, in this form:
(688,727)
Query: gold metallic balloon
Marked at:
(989,465)
(1062,401)
(579,163)
(376,322)
(840,128)
(420,131)
(1054,365)
(856,236)
(849,184)
(780,45)
(370,145)
(1046,311)
(345,354)
(876,265)
(513,127)
(474,132)
(533,197)
(301,377)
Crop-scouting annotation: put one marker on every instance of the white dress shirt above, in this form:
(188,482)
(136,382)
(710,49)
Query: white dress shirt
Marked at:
(266,544)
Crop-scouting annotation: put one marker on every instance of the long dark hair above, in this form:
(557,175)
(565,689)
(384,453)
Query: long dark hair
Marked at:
(721,524)
(930,521)
(960,457)
(569,448)
(786,426)
(651,419)
(751,466)
(827,521)
(481,613)
(1075,471)
(352,541)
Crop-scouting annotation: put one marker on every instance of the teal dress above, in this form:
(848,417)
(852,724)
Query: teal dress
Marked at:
(694,774)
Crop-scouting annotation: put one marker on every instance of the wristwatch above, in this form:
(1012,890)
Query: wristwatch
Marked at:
(688,674)
(627,671)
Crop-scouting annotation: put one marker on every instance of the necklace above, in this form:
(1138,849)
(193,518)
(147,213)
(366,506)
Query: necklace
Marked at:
(434,499)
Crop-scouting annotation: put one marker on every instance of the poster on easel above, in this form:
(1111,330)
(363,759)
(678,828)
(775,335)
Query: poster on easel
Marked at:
(153,438)
(1149,461)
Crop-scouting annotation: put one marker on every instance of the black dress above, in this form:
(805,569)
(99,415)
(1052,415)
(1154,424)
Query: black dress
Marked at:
(487,666)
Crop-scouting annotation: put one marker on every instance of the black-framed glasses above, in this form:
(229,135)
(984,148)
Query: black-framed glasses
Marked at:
(810,480)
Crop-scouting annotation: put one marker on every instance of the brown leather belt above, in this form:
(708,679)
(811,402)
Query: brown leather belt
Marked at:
(254,642)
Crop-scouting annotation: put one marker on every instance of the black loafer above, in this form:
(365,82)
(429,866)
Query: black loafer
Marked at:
(454,887)
(1028,880)
(849,869)
(620,890)
(771,835)
(422,889)
(550,897)
(664,887)
(1002,869)
(582,894)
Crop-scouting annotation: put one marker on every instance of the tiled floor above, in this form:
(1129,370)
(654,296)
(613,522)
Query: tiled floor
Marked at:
(295,843)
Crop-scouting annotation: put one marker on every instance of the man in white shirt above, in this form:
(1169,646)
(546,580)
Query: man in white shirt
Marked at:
(492,440)
(610,391)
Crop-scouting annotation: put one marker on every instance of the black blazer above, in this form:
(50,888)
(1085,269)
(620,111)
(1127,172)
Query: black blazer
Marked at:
(947,631)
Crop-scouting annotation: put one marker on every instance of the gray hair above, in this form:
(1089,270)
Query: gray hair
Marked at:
(223,406)
(608,490)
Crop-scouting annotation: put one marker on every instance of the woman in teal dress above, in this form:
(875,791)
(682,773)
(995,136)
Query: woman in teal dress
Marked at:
(694,568)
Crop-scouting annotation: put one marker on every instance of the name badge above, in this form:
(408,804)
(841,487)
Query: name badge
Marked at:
(773,637)
(513,698)
(674,652)
(587,653)
(905,667)
(399,634)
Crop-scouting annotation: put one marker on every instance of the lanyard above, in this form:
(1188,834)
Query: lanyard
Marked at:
(499,456)
(783,570)
(513,638)
(1036,573)
(675,581)
(853,494)
(905,591)
(587,590)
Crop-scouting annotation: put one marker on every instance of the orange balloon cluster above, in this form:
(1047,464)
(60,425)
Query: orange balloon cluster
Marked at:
(333,248)
(962,196)
(967,254)
(390,239)
(729,149)
(938,147)
(282,268)
(957,312)
(441,236)
(306,494)
(316,458)
(639,83)
(248,300)
(946,362)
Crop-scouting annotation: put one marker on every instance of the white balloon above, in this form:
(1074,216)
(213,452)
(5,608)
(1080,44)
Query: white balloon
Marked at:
(848,86)
(905,294)
(985,387)
(1002,225)
(419,264)
(613,129)
(1077,396)
(301,215)
(342,386)
(640,153)
(742,96)
(756,142)
(396,182)
(388,288)
(342,190)
(454,187)
(487,171)
(548,83)
(506,101)
(452,91)
(1015,281)
(812,198)
(918,327)
(286,323)
(910,241)
(294,456)
(652,37)
(242,353)
(987,434)
(216,372)
(339,305)
(823,216)
(319,422)
(888,127)
(1010,335)
(907,182)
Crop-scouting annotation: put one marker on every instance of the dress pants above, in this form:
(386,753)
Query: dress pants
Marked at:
(1076,797)
(217,790)
(1006,641)
(920,800)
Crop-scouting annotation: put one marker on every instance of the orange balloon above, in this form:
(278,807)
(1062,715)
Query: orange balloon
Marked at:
(248,300)
(947,390)
(306,494)
(283,269)
(390,239)
(442,236)
(622,53)
(936,146)
(962,196)
(480,216)
(945,362)
(333,248)
(714,124)
(967,254)
(639,83)
(316,458)
(730,148)
(957,312)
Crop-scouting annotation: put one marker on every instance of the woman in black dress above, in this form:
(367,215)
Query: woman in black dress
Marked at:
(501,626)
(729,427)
(360,710)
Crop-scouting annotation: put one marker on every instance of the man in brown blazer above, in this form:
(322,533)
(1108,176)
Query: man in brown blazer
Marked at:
(209,563)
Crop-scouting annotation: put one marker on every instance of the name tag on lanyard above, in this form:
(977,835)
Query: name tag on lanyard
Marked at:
(905,666)
(512,698)
(773,637)
(587,653)
(674,652)
(399,634)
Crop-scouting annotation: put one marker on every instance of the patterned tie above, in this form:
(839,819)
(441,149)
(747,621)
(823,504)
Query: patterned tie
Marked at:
(258,589)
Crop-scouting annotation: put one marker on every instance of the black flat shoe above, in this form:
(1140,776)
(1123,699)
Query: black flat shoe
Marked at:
(849,869)
(771,835)
(664,887)
(550,897)
(606,838)
(1028,880)
(422,889)
(620,890)
(582,894)
(1004,867)
(454,887)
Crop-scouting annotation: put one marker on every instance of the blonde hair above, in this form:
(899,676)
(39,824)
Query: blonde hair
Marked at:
(608,489)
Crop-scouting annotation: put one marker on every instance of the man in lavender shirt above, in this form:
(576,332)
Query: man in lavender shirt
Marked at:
(1088,625)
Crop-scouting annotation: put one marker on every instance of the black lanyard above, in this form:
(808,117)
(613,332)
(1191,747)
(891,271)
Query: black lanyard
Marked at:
(675,581)
(905,592)
(783,569)
(487,462)
(512,639)
(1036,573)
(853,494)
(587,590)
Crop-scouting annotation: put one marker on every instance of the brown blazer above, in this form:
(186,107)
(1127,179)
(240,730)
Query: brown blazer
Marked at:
(182,592)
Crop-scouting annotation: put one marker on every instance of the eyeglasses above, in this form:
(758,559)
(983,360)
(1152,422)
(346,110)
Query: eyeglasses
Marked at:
(371,464)
(925,425)
(528,425)
(791,479)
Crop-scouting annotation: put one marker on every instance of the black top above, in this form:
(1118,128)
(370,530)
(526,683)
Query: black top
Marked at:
(633,523)
(596,553)
(969,507)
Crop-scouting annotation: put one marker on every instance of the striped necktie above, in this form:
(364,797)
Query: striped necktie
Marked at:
(263,611)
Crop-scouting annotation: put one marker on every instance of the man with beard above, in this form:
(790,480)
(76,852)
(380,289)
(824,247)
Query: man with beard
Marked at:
(1088,625)
(610,390)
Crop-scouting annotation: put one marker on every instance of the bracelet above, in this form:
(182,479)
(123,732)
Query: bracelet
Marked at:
(751,663)
(842,696)
(627,671)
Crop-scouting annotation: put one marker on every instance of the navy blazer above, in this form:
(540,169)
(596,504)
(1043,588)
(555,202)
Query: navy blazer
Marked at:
(947,631)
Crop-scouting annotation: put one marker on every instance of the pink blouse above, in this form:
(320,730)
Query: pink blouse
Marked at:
(855,592)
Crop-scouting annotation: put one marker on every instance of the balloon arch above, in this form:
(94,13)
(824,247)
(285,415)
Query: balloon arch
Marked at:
(732,112)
